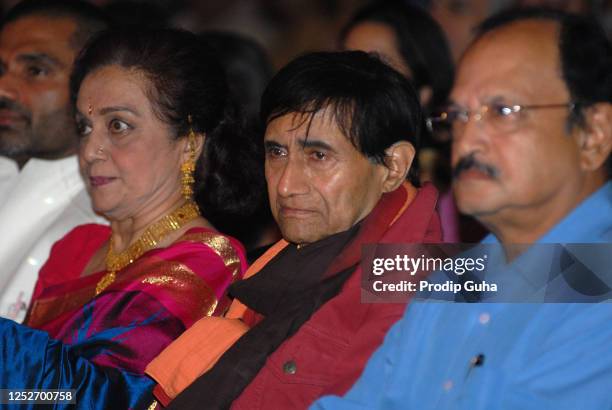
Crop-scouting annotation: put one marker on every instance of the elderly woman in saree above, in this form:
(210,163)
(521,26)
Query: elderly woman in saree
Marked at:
(156,140)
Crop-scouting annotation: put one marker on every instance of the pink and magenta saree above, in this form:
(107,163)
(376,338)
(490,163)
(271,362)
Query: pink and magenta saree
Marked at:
(100,345)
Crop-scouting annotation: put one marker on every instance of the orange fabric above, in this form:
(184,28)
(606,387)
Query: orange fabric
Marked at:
(199,348)
(194,352)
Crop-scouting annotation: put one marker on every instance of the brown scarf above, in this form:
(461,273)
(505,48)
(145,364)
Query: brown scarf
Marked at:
(287,291)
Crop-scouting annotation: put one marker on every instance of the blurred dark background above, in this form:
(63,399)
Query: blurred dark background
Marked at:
(286,28)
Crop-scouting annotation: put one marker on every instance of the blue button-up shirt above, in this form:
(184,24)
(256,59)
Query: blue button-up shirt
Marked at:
(498,355)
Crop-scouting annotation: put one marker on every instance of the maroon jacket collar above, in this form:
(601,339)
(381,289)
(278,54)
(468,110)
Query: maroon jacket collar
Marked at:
(398,217)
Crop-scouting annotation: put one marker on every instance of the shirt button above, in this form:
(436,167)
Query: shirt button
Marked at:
(477,360)
(289,367)
(484,318)
(448,385)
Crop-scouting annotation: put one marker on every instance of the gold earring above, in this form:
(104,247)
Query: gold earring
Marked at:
(188,167)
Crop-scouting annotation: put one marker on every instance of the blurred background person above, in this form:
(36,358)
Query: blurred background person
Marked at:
(154,114)
(407,38)
(42,195)
(410,40)
(288,28)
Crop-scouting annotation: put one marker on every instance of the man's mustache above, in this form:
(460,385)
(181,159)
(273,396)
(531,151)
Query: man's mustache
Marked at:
(16,108)
(469,161)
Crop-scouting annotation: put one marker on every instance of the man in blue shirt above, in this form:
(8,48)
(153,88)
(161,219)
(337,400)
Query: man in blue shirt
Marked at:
(531,118)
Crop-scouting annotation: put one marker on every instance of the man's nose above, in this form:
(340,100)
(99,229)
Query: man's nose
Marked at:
(469,137)
(293,179)
(92,147)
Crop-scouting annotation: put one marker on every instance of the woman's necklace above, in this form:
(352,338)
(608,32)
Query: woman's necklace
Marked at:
(147,241)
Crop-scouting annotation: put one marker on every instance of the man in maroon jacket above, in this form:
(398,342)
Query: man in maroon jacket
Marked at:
(341,132)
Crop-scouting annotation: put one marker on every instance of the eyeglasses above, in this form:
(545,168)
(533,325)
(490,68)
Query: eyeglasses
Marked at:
(503,118)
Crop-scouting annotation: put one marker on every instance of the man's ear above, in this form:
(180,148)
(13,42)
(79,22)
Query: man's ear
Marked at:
(596,137)
(196,144)
(398,158)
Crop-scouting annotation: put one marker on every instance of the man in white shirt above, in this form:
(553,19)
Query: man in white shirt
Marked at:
(42,196)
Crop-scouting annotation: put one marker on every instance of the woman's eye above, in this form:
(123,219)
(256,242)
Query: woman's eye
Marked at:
(117,126)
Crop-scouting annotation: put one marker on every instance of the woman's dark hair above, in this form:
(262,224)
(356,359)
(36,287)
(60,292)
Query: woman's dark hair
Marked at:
(373,105)
(248,71)
(186,82)
(422,44)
